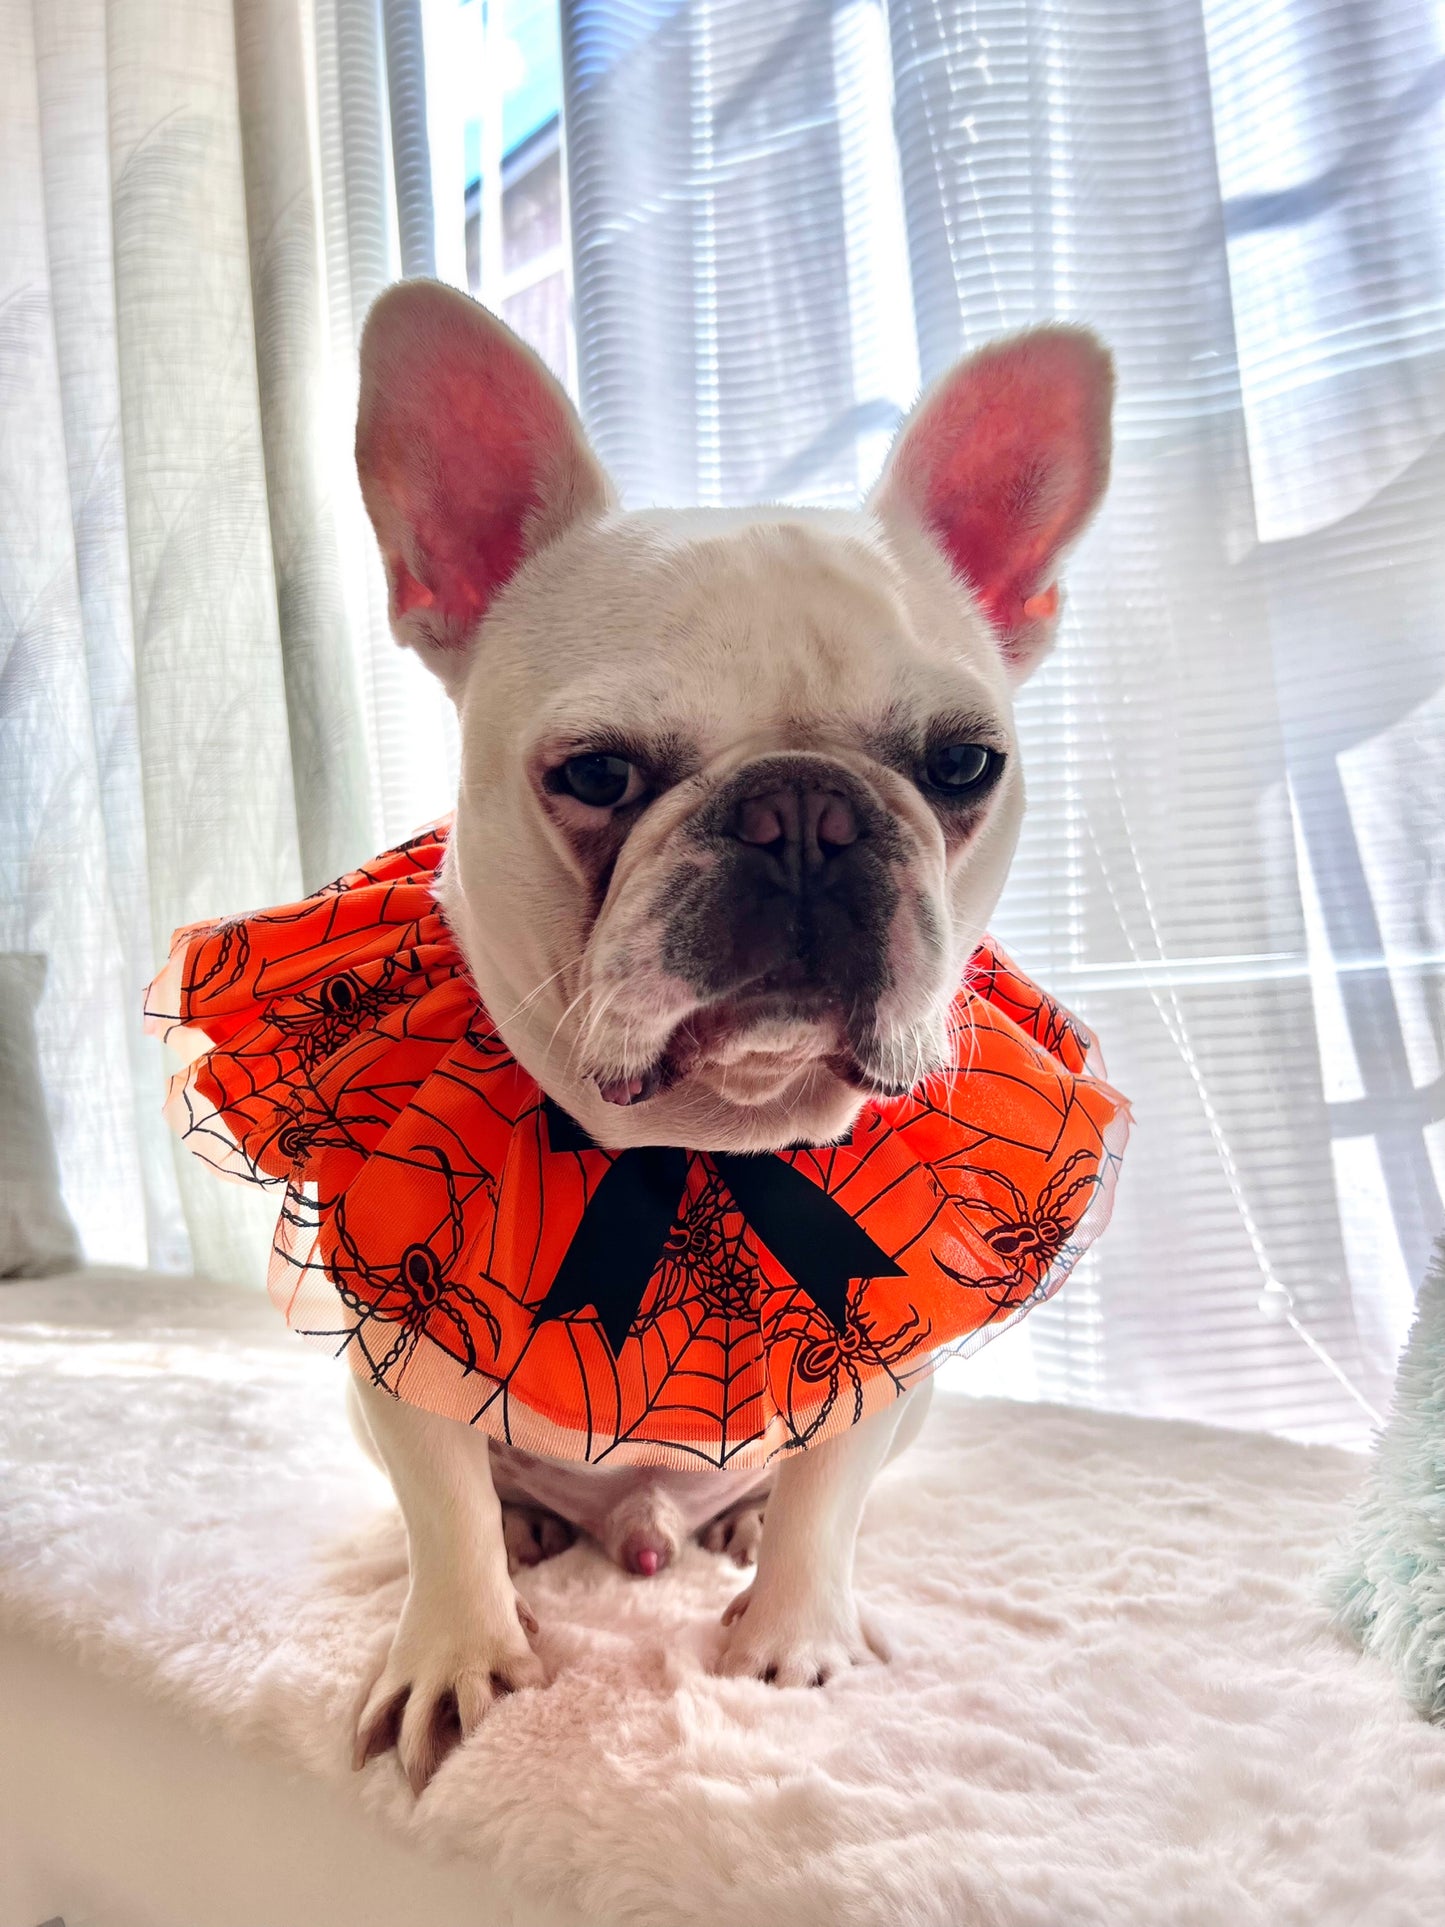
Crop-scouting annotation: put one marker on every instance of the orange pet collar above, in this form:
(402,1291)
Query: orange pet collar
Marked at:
(464,1243)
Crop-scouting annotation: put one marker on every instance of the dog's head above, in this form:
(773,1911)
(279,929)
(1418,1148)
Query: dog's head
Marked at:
(739,789)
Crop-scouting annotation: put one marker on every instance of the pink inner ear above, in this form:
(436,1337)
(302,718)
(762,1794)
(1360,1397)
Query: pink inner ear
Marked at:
(467,450)
(466,475)
(1005,463)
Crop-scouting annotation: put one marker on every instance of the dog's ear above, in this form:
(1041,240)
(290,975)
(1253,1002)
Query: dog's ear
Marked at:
(1002,463)
(471,459)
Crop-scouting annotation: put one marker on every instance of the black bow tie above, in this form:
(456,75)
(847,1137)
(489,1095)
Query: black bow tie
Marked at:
(616,1247)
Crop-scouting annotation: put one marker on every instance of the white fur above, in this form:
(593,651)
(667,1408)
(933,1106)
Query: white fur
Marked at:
(799,1623)
(1114,1696)
(562,625)
(463,1631)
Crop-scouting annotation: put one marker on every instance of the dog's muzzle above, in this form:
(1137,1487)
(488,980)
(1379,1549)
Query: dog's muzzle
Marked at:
(797,896)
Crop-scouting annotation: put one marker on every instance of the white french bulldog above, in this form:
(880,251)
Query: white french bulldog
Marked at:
(739,791)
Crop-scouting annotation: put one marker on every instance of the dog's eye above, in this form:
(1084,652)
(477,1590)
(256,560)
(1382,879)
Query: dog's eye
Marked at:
(961,769)
(601,781)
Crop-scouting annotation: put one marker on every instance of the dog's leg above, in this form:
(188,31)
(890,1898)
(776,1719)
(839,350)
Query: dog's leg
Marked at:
(460,1640)
(798,1623)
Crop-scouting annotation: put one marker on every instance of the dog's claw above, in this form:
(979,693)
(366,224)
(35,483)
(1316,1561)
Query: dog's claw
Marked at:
(378,1730)
(437,1687)
(736,1607)
(796,1647)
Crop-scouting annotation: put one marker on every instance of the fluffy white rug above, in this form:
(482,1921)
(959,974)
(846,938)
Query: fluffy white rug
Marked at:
(1114,1699)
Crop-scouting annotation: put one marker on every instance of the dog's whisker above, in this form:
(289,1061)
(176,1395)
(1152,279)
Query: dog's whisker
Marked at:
(586,1034)
(535,992)
(557,1028)
(592,1019)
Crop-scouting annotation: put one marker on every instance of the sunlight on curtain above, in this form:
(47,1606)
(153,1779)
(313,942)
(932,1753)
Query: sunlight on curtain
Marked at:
(202,711)
(1234,863)
(744,327)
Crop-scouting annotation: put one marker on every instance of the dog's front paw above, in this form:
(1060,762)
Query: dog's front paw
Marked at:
(799,1643)
(448,1662)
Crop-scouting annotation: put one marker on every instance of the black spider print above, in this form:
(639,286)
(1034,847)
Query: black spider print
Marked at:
(707,1256)
(233,954)
(1029,1241)
(318,1022)
(302,1129)
(419,1297)
(840,1360)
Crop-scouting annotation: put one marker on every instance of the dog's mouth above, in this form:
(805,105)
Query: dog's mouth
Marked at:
(752,1046)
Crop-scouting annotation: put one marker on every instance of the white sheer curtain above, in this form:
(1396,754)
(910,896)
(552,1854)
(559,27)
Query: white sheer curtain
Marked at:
(1235,863)
(198,710)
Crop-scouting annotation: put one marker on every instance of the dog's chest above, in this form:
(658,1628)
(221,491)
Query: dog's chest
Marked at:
(587,1496)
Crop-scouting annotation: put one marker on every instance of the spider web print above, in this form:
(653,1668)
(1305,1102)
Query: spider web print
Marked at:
(336,1049)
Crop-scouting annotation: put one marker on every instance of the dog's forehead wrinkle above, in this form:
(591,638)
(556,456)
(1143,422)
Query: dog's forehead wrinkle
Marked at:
(907,730)
(698,630)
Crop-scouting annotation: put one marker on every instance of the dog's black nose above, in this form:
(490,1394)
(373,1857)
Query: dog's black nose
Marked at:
(802,825)
(797,896)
